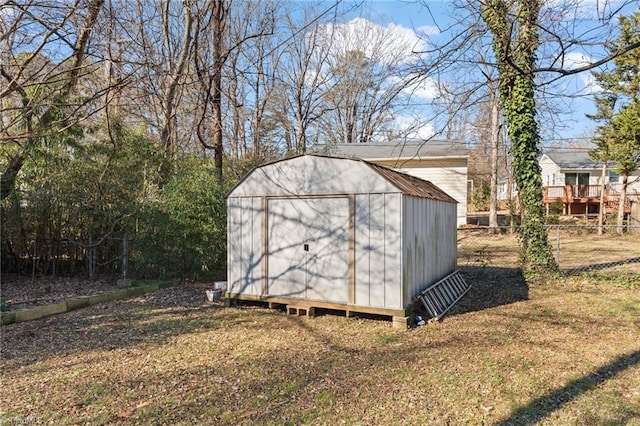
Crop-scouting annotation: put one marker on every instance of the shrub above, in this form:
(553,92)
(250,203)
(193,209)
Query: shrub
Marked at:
(183,231)
(480,197)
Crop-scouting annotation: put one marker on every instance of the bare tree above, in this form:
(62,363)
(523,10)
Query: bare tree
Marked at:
(303,81)
(177,52)
(223,35)
(159,45)
(44,57)
(367,80)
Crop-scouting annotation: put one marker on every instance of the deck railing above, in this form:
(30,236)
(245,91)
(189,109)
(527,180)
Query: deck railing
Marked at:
(570,192)
(580,194)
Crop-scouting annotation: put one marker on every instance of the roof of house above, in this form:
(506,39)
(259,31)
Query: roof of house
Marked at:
(401,150)
(573,159)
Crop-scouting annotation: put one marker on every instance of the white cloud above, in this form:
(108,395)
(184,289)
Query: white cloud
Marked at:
(591,9)
(426,88)
(591,86)
(422,88)
(428,30)
(7,15)
(575,60)
(390,44)
(412,128)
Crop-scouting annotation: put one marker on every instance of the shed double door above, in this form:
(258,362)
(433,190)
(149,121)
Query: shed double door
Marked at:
(307,248)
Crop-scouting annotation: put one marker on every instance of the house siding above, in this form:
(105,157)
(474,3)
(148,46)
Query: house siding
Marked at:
(448,174)
(551,175)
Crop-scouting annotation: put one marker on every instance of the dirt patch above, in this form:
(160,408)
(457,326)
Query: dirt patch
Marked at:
(20,292)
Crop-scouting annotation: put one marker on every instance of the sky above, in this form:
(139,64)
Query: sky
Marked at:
(414,23)
(410,19)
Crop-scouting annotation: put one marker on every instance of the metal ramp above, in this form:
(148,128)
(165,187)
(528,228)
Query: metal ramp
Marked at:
(441,296)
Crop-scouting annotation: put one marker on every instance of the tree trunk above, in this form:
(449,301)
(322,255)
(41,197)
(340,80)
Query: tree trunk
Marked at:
(495,139)
(516,54)
(237,133)
(603,189)
(174,80)
(621,202)
(301,140)
(8,177)
(219,15)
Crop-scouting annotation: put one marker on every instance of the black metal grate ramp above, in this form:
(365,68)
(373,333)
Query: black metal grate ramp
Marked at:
(441,296)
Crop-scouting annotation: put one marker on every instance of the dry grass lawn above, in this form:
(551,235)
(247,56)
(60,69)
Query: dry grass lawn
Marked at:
(561,351)
(573,248)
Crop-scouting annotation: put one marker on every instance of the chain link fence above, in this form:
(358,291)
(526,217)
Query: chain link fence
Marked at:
(66,257)
(576,248)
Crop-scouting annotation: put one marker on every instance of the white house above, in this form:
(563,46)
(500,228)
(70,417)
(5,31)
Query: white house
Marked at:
(575,167)
(573,178)
(442,162)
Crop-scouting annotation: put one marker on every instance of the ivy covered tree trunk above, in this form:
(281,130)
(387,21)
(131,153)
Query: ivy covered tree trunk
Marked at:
(523,132)
(515,41)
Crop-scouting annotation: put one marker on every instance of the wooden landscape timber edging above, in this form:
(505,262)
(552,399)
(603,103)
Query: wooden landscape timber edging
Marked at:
(80,302)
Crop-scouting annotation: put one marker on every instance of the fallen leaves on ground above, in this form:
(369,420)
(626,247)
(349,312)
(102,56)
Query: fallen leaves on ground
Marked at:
(511,352)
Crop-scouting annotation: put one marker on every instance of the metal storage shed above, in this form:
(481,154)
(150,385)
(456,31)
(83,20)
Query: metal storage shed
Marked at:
(324,232)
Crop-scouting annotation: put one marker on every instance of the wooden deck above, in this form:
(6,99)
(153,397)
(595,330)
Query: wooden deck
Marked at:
(585,199)
(309,308)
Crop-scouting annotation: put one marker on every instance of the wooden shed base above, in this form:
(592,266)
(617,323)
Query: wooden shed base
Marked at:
(309,308)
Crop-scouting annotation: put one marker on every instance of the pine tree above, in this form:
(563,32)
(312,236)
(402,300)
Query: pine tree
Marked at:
(618,109)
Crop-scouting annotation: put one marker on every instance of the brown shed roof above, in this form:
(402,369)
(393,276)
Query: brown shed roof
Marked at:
(408,184)
(411,185)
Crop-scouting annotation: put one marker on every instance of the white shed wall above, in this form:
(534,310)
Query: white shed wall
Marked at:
(308,248)
(244,245)
(429,243)
(378,250)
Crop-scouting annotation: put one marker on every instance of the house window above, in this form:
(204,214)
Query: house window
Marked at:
(613,177)
(576,178)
